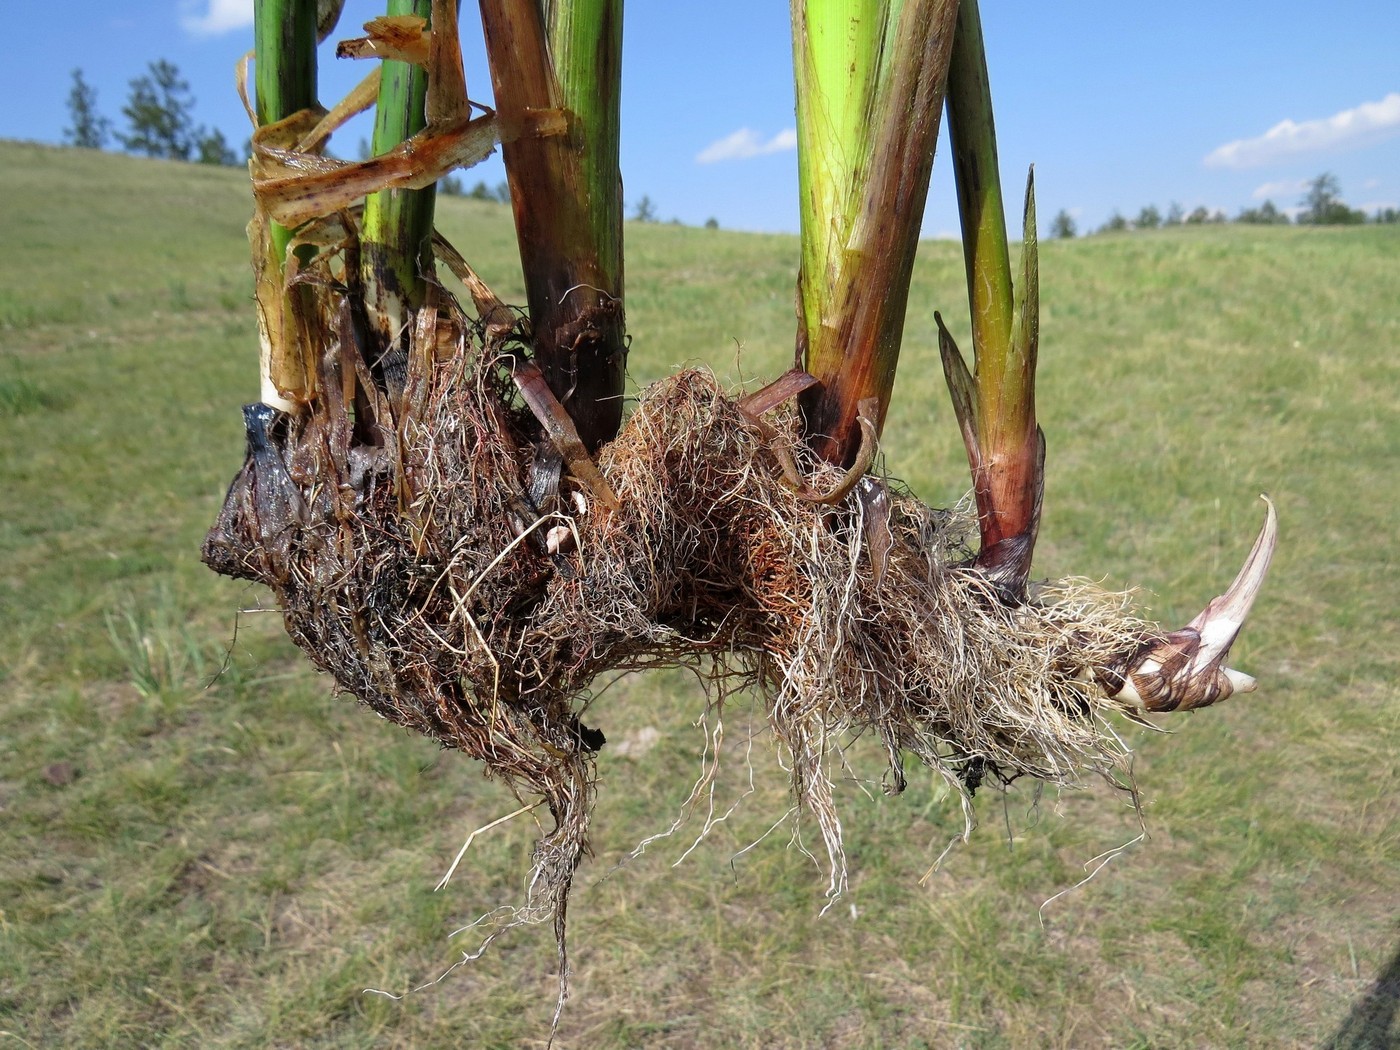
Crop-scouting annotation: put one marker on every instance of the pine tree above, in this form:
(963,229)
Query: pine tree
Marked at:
(1323,205)
(1063,226)
(89,129)
(158,114)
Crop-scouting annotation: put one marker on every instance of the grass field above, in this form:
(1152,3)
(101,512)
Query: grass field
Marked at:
(198,859)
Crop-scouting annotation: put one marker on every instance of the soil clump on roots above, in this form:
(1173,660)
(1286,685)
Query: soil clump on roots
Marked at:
(458,571)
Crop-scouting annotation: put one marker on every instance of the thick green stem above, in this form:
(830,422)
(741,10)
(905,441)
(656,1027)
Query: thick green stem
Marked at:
(284,54)
(870,82)
(585,42)
(996,404)
(284,70)
(397,232)
(566,192)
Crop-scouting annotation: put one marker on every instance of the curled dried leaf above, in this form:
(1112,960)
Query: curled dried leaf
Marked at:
(499,319)
(447,84)
(295,198)
(404,38)
(561,431)
(360,99)
(869,445)
(788,385)
(874,498)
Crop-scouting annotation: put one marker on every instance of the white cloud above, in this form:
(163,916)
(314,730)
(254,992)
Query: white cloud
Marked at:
(1281,188)
(1366,123)
(746,143)
(212,17)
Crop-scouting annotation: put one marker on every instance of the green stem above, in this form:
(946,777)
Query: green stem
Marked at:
(585,41)
(284,69)
(566,194)
(284,53)
(397,231)
(870,82)
(996,409)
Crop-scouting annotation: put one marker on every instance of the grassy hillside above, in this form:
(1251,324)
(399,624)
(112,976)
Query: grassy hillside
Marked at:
(192,860)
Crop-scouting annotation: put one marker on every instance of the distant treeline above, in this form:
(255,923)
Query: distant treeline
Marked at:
(1322,205)
(159,114)
(159,122)
(644,210)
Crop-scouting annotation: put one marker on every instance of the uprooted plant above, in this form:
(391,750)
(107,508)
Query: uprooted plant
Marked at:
(461,529)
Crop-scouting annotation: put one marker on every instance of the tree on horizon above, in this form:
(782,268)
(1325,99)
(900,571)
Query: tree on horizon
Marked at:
(160,115)
(1063,226)
(88,128)
(1323,205)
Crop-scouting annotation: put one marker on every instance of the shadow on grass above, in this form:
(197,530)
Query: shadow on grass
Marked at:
(1371,1023)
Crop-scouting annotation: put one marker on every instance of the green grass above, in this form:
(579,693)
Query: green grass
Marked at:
(190,860)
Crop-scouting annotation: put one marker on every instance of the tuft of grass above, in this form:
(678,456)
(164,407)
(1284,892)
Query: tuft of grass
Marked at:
(163,657)
(232,864)
(179,296)
(19,395)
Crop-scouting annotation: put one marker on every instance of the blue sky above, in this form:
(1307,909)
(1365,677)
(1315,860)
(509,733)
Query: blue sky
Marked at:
(1216,104)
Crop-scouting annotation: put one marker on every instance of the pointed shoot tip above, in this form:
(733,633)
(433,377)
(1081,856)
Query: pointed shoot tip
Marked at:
(1219,623)
(1186,669)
